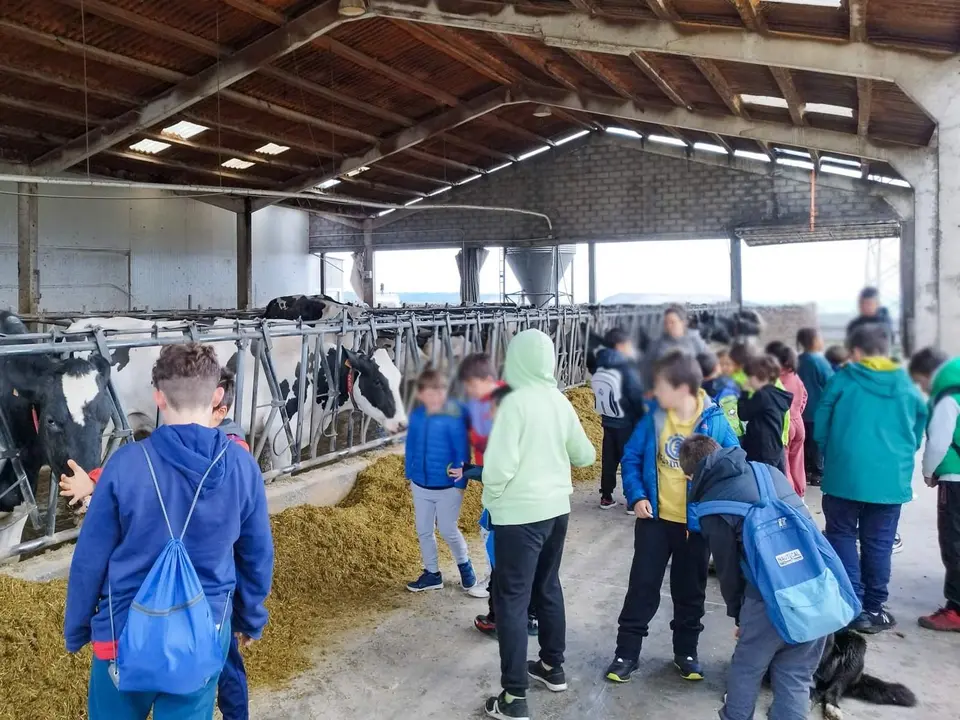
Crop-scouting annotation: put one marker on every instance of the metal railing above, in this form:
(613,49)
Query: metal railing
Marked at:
(322,431)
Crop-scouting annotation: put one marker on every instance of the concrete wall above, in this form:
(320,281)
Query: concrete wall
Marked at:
(141,248)
(608,190)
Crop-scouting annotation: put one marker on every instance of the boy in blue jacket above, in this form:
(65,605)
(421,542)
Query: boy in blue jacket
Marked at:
(437,449)
(228,538)
(656,490)
(815,372)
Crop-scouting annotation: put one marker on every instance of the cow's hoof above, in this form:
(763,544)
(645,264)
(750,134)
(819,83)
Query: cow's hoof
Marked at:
(832,712)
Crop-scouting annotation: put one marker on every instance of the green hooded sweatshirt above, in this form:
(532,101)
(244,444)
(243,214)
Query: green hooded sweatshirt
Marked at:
(869,426)
(536,436)
(946,383)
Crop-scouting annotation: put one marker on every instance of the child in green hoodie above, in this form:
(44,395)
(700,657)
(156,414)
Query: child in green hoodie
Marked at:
(526,489)
(865,482)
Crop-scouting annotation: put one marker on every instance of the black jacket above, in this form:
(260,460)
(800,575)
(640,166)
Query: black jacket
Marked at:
(764,412)
(726,475)
(882,318)
(633,405)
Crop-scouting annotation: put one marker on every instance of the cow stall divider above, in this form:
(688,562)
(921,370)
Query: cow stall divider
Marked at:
(312,434)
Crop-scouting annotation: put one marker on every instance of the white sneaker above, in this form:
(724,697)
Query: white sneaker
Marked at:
(479,590)
(897,544)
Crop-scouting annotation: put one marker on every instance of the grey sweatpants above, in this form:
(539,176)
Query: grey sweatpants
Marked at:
(438,509)
(791,669)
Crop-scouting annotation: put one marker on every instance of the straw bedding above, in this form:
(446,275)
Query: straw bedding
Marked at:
(335,568)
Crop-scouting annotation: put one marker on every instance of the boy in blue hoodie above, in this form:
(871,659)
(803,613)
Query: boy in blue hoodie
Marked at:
(815,372)
(656,490)
(437,449)
(228,538)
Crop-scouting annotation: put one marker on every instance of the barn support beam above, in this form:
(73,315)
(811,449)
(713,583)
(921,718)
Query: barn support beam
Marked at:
(368,278)
(28,249)
(592,272)
(907,287)
(245,256)
(736,270)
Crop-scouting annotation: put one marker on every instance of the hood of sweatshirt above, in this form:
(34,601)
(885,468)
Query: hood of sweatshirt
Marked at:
(779,397)
(726,466)
(231,427)
(879,376)
(611,358)
(947,376)
(190,449)
(531,361)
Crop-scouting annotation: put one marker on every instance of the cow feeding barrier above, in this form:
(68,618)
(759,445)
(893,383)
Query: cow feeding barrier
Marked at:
(329,430)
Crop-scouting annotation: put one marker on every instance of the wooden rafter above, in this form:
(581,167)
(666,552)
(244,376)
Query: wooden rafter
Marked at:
(412,175)
(476,147)
(864,106)
(643,63)
(514,129)
(858,20)
(382,187)
(539,60)
(788,89)
(257,10)
(586,6)
(720,85)
(449,162)
(592,64)
(751,15)
(664,10)
(722,142)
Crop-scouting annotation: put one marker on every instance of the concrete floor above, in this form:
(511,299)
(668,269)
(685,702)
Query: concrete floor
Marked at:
(426,660)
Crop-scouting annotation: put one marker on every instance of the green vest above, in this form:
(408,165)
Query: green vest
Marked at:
(946,382)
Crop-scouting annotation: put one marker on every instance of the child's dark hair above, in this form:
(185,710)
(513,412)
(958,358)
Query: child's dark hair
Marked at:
(694,449)
(869,293)
(679,310)
(836,355)
(615,336)
(807,337)
(431,379)
(765,368)
(229,384)
(679,368)
(187,375)
(784,354)
(497,396)
(476,366)
(870,338)
(708,363)
(740,352)
(925,363)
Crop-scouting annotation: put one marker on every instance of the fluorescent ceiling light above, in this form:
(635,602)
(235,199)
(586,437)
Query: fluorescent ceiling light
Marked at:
(568,138)
(765,101)
(272,149)
(354,173)
(530,154)
(614,130)
(836,170)
(150,147)
(814,3)
(795,153)
(414,201)
(237,164)
(498,168)
(386,212)
(840,161)
(828,109)
(469,179)
(184,129)
(884,180)
(666,140)
(793,162)
(710,148)
(440,191)
(327,184)
(751,155)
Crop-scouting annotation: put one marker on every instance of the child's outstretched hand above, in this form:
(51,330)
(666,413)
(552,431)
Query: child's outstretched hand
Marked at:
(78,486)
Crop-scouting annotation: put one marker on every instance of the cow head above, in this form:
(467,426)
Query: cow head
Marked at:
(376,388)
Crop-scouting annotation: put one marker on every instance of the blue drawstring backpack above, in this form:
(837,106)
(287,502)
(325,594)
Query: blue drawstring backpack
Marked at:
(171,643)
(803,583)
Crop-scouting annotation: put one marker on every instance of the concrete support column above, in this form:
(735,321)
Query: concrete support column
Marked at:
(736,270)
(368,277)
(592,271)
(907,287)
(947,257)
(28,249)
(245,256)
(923,175)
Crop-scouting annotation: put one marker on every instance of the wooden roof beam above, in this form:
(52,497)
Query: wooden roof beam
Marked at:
(383,187)
(643,63)
(751,15)
(864,106)
(664,10)
(789,91)
(720,85)
(858,20)
(257,10)
(592,65)
(722,142)
(476,147)
(539,60)
(412,175)
(293,34)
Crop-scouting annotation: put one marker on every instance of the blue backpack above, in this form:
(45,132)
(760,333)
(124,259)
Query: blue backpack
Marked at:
(171,643)
(803,583)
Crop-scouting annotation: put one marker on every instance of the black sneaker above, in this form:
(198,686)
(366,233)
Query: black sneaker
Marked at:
(607,502)
(871,623)
(689,668)
(533,626)
(620,670)
(498,707)
(554,679)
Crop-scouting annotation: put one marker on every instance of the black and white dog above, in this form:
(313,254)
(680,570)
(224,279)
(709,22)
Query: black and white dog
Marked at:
(840,674)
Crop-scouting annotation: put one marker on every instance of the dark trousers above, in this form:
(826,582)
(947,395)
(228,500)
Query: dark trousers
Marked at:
(812,459)
(614,441)
(492,588)
(654,542)
(528,566)
(948,527)
(875,525)
(232,696)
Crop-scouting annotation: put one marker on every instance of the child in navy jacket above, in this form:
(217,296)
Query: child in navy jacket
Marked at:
(228,540)
(437,449)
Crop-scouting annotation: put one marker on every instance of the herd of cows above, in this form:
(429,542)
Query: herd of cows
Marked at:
(60,408)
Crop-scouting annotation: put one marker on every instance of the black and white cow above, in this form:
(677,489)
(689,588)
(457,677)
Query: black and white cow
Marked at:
(726,329)
(57,410)
(376,390)
(309,308)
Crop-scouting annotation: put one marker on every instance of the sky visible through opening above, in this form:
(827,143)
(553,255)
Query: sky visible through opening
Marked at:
(828,273)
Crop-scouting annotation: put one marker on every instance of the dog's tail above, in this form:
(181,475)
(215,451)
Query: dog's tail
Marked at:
(879,692)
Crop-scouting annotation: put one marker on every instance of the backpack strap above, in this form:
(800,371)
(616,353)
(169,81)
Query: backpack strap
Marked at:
(764,482)
(723,507)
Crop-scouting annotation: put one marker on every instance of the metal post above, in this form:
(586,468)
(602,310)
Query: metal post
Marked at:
(323,273)
(907,287)
(369,272)
(245,256)
(28,249)
(736,271)
(592,271)
(556,274)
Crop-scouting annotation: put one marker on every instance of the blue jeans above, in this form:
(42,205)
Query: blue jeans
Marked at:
(232,696)
(875,525)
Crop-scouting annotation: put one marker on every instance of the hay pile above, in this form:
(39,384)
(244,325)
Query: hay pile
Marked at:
(335,568)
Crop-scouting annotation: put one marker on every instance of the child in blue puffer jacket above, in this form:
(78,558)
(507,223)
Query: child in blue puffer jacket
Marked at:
(437,448)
